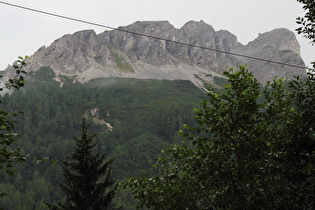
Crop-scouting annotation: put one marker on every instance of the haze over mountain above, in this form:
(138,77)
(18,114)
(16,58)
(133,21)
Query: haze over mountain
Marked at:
(85,55)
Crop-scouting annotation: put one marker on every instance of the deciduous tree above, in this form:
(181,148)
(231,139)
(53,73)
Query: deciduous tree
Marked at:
(8,153)
(307,23)
(252,148)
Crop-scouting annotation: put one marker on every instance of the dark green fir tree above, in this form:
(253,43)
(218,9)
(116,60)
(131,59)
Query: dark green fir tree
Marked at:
(88,183)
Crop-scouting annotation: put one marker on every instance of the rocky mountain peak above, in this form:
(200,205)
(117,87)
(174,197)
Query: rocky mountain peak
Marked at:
(150,27)
(86,55)
(280,38)
(196,27)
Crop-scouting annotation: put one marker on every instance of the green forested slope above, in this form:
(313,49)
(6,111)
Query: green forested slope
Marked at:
(145,116)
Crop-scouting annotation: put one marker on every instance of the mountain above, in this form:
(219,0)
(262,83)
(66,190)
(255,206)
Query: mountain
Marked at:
(86,55)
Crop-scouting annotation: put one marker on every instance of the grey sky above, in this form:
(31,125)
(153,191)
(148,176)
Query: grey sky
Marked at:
(23,32)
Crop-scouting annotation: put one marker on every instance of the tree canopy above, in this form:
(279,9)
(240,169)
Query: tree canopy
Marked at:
(8,152)
(307,23)
(253,147)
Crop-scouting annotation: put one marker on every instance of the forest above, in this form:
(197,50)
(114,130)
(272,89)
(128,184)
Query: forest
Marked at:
(144,115)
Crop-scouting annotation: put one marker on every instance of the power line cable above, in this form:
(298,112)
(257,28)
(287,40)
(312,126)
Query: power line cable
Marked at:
(154,37)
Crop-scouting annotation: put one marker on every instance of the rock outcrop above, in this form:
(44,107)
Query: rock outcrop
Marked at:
(86,55)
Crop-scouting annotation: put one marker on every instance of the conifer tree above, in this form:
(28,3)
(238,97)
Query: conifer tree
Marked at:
(88,183)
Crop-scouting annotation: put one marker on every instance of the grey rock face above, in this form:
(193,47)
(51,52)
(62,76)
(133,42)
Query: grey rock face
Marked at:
(276,45)
(118,54)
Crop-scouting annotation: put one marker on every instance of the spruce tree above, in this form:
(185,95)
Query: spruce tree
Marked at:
(88,183)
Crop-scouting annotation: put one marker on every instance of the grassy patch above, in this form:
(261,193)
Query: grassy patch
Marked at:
(121,62)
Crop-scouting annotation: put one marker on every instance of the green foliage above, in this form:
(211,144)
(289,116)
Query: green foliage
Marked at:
(8,153)
(88,183)
(244,153)
(308,21)
(18,80)
(138,154)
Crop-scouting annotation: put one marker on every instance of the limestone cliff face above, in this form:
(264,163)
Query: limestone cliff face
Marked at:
(87,55)
(277,45)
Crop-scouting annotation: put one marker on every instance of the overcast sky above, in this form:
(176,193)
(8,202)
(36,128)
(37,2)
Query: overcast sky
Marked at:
(23,32)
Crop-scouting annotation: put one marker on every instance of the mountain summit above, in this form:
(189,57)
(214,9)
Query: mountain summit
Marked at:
(86,55)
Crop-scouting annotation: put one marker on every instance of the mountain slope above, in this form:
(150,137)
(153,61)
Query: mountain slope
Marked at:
(132,119)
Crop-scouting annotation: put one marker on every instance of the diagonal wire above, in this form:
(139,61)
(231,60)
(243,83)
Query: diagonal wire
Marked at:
(153,37)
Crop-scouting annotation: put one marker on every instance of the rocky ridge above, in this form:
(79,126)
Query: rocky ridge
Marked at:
(86,55)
